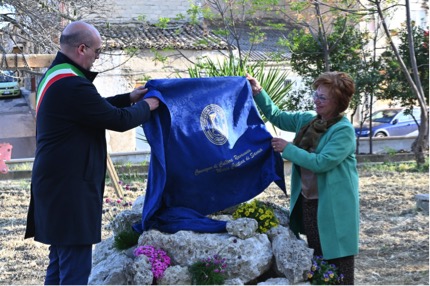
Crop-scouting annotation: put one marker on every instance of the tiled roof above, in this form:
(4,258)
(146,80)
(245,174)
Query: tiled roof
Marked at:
(187,36)
(146,36)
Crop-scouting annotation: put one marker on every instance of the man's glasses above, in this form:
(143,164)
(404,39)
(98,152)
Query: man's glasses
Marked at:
(319,97)
(96,51)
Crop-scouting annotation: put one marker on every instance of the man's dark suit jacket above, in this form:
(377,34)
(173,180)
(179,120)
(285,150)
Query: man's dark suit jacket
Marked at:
(69,169)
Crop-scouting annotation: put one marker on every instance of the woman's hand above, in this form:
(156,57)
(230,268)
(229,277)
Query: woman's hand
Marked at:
(279,144)
(255,85)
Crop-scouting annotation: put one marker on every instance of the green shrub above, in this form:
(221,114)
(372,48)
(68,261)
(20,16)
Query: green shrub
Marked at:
(126,239)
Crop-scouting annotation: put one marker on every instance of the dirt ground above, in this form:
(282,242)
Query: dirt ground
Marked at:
(394,236)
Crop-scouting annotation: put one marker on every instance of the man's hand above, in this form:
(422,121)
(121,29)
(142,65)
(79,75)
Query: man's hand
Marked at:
(137,94)
(153,102)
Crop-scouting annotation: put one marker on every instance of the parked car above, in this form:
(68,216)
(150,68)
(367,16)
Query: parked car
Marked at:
(9,84)
(391,122)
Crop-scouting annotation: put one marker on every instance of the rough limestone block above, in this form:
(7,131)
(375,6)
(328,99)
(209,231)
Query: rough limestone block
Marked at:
(422,202)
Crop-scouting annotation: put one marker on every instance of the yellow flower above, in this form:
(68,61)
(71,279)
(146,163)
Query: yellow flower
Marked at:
(259,211)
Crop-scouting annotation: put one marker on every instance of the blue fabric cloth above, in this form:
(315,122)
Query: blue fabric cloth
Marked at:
(210,150)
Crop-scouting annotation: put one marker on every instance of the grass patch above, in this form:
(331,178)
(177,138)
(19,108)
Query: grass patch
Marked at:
(132,172)
(411,167)
(20,167)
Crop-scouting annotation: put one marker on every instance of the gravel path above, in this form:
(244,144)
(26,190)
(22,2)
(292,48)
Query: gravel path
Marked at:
(394,238)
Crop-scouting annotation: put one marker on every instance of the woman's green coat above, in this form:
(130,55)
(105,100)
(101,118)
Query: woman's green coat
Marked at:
(334,163)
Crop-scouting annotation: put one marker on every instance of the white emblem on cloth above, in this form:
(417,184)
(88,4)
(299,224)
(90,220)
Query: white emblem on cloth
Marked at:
(214,124)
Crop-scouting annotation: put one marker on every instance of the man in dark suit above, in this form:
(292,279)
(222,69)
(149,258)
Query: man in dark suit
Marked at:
(70,163)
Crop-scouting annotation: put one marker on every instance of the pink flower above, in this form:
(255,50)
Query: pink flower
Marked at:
(157,257)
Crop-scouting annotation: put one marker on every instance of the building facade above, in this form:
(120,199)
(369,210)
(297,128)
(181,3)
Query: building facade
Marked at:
(124,11)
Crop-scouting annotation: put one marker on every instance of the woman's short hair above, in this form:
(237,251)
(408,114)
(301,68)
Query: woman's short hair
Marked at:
(340,85)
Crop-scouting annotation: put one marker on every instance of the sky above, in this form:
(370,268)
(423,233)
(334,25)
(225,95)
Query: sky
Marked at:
(5,9)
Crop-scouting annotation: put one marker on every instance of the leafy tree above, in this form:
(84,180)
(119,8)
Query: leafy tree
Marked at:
(397,87)
(320,19)
(237,20)
(411,74)
(378,10)
(326,38)
(346,53)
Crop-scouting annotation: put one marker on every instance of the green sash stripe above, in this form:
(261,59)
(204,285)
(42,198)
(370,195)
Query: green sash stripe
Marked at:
(52,75)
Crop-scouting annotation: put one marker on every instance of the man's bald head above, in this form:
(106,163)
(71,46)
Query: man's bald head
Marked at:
(77,33)
(81,42)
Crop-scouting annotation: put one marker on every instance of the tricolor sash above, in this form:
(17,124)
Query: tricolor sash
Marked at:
(55,73)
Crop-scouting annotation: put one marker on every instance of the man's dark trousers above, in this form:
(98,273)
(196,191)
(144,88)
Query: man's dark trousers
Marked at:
(69,265)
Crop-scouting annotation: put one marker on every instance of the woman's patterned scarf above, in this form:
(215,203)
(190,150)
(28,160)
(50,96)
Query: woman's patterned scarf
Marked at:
(310,134)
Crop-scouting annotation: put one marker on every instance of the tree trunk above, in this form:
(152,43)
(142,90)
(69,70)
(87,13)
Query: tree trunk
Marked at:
(420,145)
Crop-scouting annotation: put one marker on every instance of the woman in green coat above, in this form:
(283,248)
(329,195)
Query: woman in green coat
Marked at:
(324,180)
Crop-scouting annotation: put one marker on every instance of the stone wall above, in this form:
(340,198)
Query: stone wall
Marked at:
(150,10)
(386,145)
